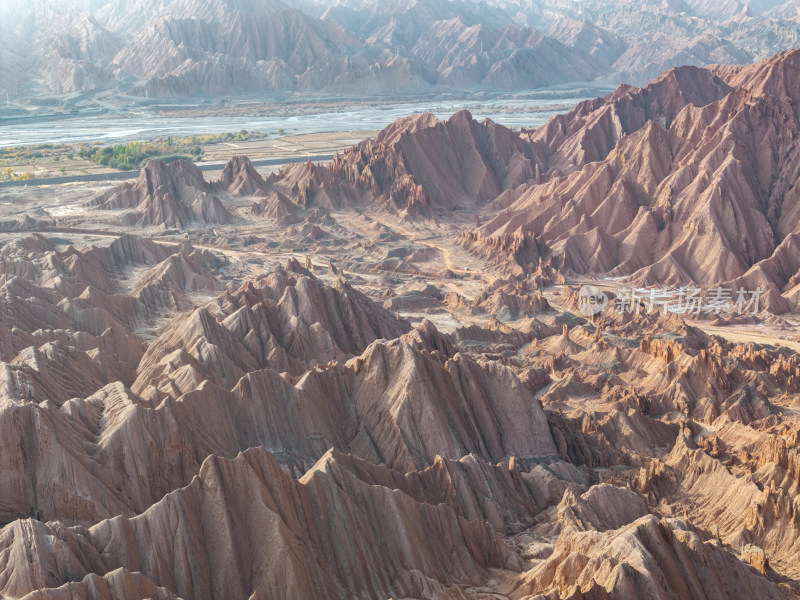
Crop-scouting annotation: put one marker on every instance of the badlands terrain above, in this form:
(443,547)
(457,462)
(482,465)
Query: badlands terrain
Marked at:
(373,377)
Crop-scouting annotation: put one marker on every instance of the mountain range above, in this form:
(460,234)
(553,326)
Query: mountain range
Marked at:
(687,180)
(178,48)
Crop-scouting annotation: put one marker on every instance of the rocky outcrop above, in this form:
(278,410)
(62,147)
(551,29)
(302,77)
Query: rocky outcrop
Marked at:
(285,321)
(279,207)
(647,558)
(418,165)
(240,178)
(591,130)
(165,195)
(602,508)
(392,405)
(68,319)
(746,514)
(302,518)
(189,271)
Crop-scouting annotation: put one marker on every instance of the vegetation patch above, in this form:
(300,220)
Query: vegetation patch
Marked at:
(8,174)
(125,157)
(133,155)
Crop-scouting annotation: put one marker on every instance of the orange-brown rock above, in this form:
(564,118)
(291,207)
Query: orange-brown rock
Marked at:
(165,195)
(418,164)
(662,184)
(240,178)
(298,526)
(646,558)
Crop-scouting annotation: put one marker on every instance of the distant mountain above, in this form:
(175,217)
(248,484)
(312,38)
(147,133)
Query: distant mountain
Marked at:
(659,34)
(402,23)
(244,51)
(175,48)
(464,55)
(75,56)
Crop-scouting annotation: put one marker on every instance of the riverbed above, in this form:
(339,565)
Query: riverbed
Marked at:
(141,125)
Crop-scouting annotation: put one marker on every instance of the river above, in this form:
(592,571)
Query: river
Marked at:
(111,128)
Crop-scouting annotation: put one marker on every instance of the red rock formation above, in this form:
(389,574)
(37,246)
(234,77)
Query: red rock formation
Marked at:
(591,130)
(414,548)
(274,418)
(240,178)
(165,195)
(279,207)
(686,181)
(418,164)
(647,558)
(742,510)
(287,322)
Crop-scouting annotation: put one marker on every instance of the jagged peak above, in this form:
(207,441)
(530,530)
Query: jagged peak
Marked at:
(405,125)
